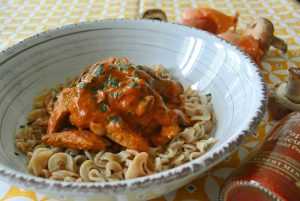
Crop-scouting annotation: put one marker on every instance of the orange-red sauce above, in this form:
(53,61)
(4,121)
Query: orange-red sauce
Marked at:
(131,103)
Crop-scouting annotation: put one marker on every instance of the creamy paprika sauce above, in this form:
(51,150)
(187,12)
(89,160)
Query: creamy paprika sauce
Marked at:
(114,100)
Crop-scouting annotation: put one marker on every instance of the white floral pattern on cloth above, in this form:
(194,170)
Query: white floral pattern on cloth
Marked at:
(20,19)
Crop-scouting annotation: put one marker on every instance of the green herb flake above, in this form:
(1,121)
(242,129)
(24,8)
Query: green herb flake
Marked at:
(103,107)
(81,85)
(115,119)
(22,126)
(115,94)
(99,71)
(112,81)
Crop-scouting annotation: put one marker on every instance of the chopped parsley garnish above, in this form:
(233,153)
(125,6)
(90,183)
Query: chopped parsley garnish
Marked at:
(115,119)
(99,70)
(115,94)
(81,85)
(103,107)
(112,81)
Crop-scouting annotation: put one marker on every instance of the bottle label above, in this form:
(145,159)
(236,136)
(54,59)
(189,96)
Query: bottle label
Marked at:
(283,165)
(281,151)
(290,140)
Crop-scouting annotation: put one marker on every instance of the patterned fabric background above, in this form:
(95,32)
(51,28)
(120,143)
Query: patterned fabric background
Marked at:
(20,19)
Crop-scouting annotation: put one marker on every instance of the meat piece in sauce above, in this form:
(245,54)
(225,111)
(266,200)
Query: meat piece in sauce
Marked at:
(75,139)
(120,133)
(60,112)
(115,89)
(166,134)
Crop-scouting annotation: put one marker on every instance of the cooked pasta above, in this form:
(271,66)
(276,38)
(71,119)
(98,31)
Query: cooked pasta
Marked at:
(115,163)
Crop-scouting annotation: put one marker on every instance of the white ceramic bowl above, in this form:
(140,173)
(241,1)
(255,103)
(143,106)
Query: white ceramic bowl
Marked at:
(197,58)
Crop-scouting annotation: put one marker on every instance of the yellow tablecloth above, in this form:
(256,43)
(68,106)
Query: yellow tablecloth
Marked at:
(22,18)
